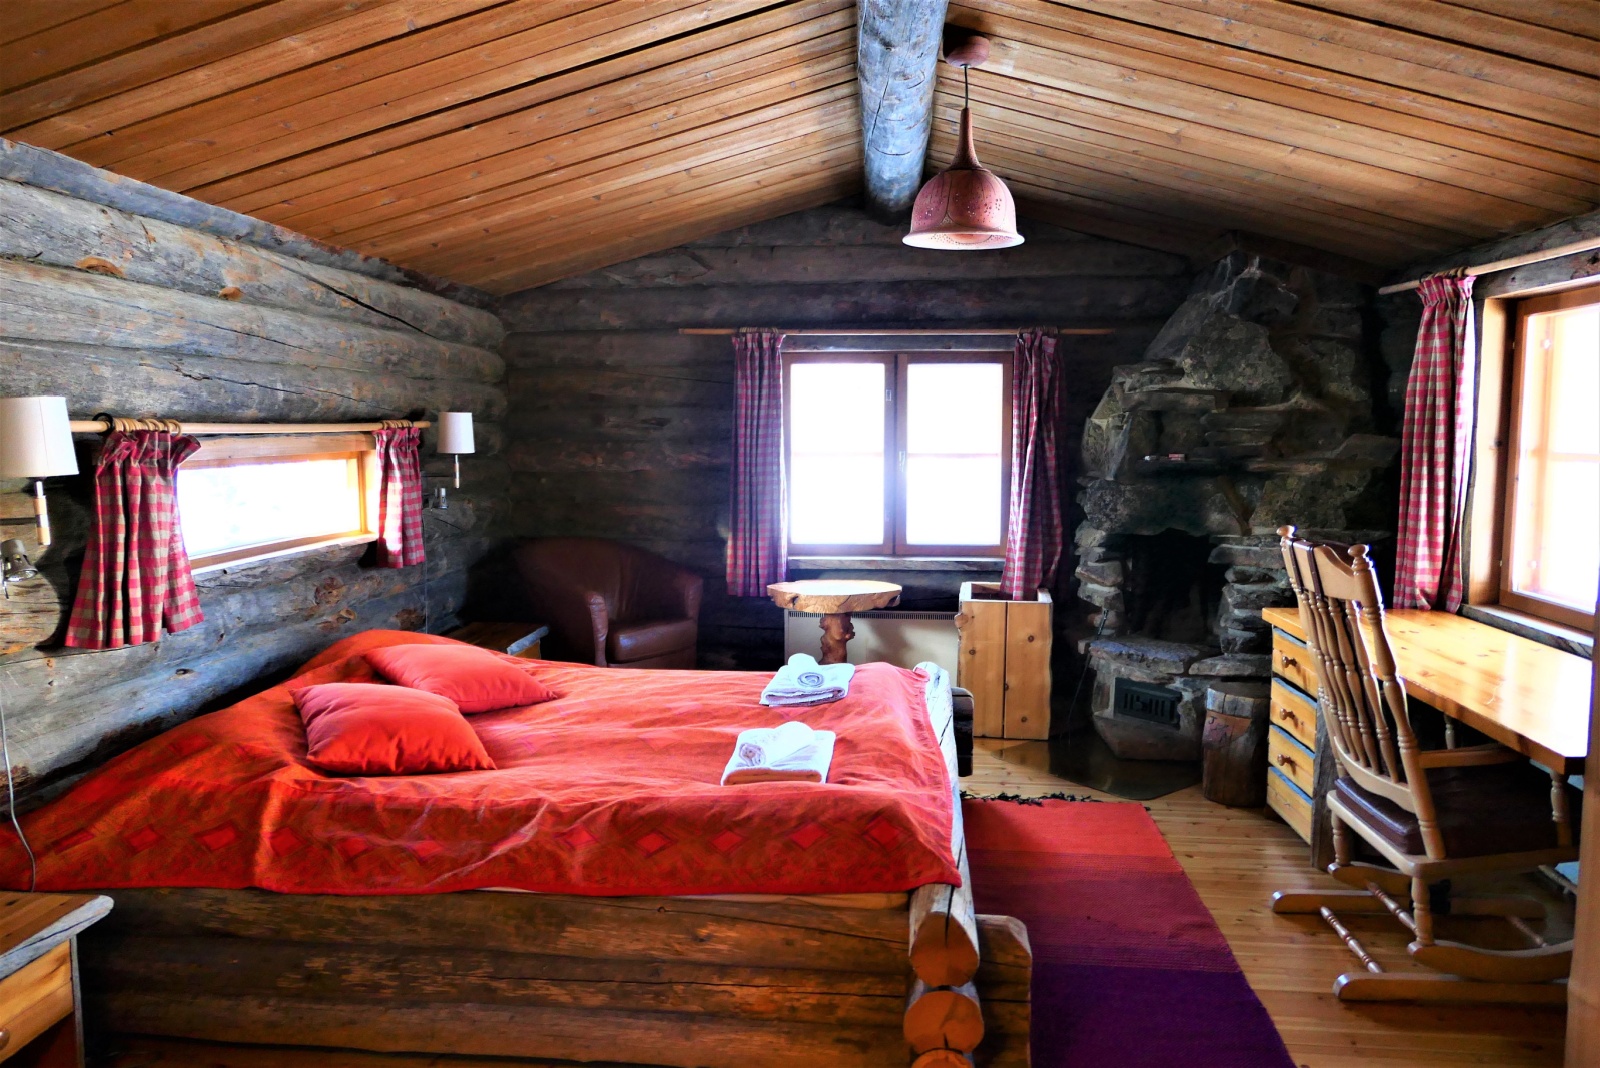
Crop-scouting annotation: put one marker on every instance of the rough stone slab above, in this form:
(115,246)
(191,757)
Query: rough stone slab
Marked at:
(1151,654)
(1234,665)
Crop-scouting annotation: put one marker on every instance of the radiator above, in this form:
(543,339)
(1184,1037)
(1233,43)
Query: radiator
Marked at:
(905,639)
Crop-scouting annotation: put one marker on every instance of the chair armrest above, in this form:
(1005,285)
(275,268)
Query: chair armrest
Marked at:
(1470,756)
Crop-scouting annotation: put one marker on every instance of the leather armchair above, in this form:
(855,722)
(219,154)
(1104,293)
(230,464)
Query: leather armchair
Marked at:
(611,604)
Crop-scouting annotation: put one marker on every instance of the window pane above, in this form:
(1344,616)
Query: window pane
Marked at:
(1554,553)
(955,423)
(836,428)
(953,501)
(241,505)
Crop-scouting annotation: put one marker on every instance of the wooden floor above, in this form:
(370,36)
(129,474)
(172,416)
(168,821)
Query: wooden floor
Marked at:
(1235,858)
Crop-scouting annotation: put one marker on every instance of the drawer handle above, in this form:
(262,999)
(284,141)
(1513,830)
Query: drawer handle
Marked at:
(5,1038)
(1284,713)
(1288,661)
(1285,761)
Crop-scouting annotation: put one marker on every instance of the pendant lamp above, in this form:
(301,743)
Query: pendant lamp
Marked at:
(967,206)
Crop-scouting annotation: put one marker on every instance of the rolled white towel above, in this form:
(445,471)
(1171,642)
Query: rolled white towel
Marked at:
(803,681)
(790,753)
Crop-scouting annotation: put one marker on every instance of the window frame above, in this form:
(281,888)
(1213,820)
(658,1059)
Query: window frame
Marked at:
(1519,312)
(246,449)
(896,365)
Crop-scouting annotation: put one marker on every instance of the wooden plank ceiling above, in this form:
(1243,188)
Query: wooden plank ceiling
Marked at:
(508,143)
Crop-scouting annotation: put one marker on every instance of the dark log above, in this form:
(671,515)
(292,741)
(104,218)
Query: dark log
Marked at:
(40,167)
(76,307)
(1234,744)
(127,381)
(618,455)
(897,51)
(55,230)
(993,302)
(820,265)
(642,351)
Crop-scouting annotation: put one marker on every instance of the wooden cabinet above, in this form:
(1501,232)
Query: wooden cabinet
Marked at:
(517,639)
(1005,661)
(39,1020)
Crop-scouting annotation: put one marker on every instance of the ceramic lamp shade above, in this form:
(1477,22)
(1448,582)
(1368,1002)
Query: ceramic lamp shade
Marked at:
(455,433)
(35,438)
(965,207)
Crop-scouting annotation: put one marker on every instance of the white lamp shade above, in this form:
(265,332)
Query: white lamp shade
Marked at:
(36,438)
(455,432)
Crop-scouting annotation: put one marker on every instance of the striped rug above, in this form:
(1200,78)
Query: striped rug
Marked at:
(1129,968)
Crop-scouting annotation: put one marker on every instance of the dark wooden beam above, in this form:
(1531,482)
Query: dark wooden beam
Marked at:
(897,51)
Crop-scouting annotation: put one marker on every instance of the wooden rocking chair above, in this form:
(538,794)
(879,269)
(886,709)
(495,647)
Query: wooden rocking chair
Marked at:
(1432,814)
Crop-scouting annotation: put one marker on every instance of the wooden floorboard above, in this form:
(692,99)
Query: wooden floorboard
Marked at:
(1236,858)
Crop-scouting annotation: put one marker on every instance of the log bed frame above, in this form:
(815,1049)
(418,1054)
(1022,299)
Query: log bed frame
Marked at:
(681,981)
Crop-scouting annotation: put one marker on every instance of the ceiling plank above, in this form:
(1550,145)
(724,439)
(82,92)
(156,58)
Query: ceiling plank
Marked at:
(1205,37)
(581,126)
(1450,69)
(749,131)
(1265,190)
(67,45)
(1569,16)
(493,124)
(24,20)
(275,99)
(896,57)
(798,125)
(1492,33)
(163,59)
(1068,62)
(59,120)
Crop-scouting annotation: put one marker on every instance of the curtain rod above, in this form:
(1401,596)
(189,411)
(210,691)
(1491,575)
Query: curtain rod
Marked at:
(1506,264)
(106,424)
(934,331)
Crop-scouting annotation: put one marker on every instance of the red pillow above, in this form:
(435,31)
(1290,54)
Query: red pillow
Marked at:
(365,728)
(475,679)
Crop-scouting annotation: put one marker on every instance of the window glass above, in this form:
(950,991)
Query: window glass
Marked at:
(240,505)
(955,419)
(1554,551)
(836,441)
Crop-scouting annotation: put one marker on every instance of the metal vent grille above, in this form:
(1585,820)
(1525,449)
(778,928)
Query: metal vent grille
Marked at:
(1144,701)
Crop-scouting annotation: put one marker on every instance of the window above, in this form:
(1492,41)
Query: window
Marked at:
(1550,540)
(902,454)
(248,498)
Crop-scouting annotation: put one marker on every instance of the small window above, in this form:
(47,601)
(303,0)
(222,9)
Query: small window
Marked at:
(902,454)
(244,498)
(1550,560)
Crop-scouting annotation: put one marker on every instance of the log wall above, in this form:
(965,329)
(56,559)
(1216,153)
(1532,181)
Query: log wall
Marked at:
(188,312)
(621,427)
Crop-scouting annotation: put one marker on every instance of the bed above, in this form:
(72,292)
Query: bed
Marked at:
(597,898)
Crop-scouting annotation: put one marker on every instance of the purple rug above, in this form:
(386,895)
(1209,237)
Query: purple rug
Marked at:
(1129,968)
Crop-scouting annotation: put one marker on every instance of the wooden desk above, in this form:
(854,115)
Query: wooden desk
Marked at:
(39,998)
(1526,696)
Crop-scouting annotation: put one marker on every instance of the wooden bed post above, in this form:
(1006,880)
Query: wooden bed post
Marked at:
(943,1011)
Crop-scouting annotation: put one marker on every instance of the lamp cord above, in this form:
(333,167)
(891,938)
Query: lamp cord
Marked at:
(966,87)
(11,797)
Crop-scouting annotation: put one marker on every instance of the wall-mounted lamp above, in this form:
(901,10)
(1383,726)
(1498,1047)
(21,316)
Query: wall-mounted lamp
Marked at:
(14,564)
(36,443)
(455,439)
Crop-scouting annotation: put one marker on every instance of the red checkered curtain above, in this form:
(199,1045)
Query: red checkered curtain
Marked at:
(758,546)
(399,496)
(1034,529)
(135,578)
(1435,452)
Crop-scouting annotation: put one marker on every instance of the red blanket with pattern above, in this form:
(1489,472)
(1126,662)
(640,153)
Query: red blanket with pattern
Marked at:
(610,789)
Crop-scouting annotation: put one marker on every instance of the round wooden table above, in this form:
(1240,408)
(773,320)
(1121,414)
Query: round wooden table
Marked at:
(834,600)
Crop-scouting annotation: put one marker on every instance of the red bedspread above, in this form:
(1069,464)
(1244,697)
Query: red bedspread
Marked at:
(609,789)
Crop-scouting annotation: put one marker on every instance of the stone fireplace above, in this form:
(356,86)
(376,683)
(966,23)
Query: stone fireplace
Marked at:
(1252,408)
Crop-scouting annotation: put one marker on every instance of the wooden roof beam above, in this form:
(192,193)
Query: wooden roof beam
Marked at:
(897,51)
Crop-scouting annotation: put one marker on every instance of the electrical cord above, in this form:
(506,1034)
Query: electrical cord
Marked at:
(11,796)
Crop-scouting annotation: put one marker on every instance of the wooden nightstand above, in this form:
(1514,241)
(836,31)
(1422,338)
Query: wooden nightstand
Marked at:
(517,639)
(40,1022)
